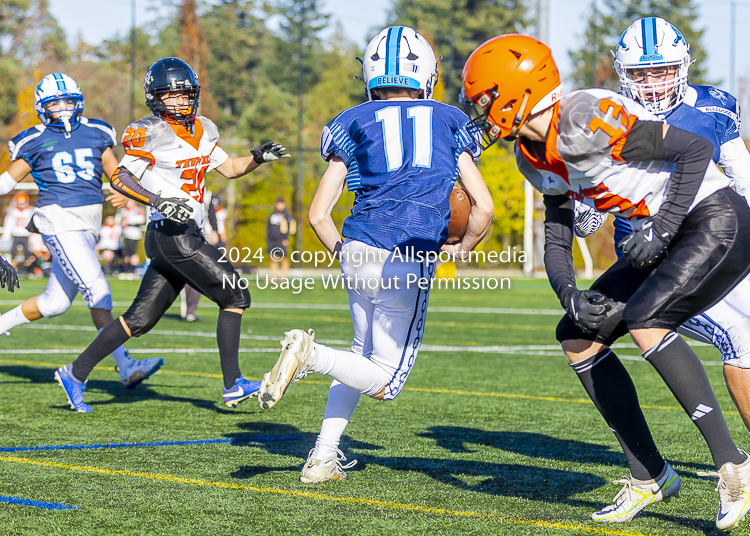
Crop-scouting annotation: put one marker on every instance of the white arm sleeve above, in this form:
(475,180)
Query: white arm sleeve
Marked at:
(7,183)
(218,157)
(735,161)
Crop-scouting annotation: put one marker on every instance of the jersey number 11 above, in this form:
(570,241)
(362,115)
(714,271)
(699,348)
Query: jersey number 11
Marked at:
(390,119)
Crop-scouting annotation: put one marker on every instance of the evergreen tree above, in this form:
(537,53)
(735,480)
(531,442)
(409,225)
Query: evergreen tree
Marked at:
(593,61)
(464,23)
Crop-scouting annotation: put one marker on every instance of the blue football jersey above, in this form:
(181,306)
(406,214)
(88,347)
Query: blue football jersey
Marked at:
(402,162)
(706,111)
(67,170)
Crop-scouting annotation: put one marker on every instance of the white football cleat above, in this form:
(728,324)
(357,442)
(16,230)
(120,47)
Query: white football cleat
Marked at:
(137,371)
(292,365)
(734,493)
(316,471)
(638,494)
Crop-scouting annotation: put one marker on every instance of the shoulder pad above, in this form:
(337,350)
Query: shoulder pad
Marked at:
(209,129)
(107,130)
(146,135)
(590,124)
(22,139)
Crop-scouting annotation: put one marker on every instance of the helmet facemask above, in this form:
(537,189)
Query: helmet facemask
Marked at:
(66,112)
(180,113)
(659,88)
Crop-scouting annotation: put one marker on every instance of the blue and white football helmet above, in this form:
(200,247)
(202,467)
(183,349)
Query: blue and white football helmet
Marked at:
(399,57)
(652,44)
(54,87)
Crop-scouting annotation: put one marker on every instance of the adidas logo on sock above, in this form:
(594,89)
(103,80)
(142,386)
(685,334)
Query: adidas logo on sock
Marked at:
(700,411)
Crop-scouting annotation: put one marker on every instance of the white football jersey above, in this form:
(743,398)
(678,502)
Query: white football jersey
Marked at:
(171,162)
(16,220)
(581,158)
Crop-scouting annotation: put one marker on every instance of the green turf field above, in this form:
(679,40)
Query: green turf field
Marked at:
(498,439)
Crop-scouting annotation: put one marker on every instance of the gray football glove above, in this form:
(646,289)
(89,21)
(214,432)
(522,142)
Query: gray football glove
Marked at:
(8,275)
(268,152)
(173,208)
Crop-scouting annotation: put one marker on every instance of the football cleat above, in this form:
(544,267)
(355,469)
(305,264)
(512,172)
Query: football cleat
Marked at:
(638,494)
(734,493)
(73,388)
(292,365)
(316,471)
(242,390)
(137,371)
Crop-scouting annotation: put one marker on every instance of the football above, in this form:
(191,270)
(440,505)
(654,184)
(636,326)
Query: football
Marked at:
(460,208)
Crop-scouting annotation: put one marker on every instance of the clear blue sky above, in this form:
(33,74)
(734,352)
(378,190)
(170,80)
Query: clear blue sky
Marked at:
(96,20)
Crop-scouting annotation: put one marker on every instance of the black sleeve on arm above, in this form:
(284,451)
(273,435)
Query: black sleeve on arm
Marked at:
(212,217)
(644,141)
(692,154)
(558,245)
(124,182)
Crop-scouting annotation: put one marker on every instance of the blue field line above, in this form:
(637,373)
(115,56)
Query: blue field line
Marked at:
(37,504)
(255,439)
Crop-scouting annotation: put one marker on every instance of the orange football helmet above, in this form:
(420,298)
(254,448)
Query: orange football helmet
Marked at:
(505,80)
(21,199)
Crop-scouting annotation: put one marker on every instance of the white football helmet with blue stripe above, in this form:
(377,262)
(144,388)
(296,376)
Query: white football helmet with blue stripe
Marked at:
(54,87)
(652,61)
(399,57)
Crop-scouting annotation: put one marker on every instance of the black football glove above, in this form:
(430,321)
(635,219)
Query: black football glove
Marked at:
(173,208)
(587,308)
(644,246)
(8,275)
(268,152)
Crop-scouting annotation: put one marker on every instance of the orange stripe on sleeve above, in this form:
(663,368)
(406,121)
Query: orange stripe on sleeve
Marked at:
(141,154)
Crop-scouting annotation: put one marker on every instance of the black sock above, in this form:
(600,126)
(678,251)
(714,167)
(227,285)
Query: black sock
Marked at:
(610,388)
(685,376)
(228,337)
(110,338)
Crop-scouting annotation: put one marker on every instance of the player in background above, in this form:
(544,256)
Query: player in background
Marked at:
(221,222)
(686,253)
(17,218)
(66,155)
(131,218)
(408,153)
(166,158)
(279,227)
(109,243)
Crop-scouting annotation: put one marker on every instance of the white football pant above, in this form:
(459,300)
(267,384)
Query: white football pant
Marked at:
(726,325)
(75,268)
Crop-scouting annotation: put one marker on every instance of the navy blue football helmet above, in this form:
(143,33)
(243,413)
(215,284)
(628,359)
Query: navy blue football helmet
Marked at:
(169,75)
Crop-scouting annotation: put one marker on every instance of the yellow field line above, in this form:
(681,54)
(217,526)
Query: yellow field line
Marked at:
(322,497)
(415,389)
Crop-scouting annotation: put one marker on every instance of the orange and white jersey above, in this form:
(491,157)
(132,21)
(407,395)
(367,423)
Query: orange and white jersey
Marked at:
(170,161)
(109,237)
(16,221)
(221,219)
(581,158)
(131,219)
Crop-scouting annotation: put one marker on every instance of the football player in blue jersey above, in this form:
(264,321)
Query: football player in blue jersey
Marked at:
(400,153)
(659,81)
(66,155)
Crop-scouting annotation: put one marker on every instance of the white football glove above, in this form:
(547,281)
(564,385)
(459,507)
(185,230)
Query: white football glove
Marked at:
(587,220)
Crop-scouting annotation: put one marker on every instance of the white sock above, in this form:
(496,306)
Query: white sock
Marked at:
(342,401)
(121,358)
(12,318)
(349,368)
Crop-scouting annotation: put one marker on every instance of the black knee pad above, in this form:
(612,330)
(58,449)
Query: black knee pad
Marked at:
(141,320)
(236,298)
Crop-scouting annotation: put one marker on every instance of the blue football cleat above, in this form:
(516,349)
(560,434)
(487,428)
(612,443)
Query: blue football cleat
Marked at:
(242,390)
(73,388)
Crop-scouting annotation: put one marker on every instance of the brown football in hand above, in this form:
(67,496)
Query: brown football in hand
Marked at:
(460,208)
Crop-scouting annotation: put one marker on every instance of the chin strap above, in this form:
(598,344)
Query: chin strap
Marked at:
(519,116)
